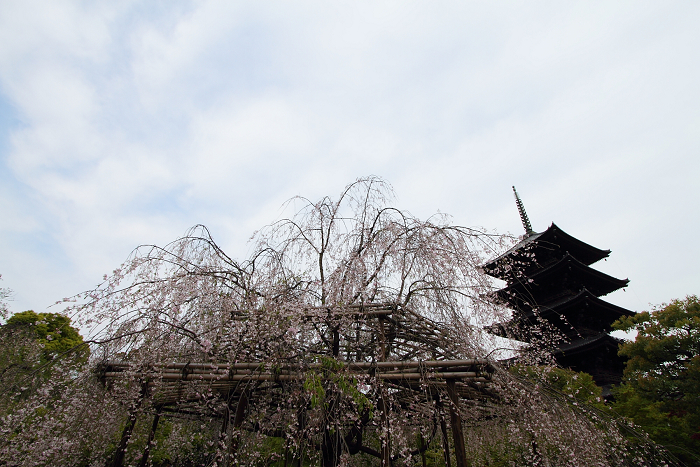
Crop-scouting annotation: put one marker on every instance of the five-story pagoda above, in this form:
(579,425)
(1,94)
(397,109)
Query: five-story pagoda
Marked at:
(553,291)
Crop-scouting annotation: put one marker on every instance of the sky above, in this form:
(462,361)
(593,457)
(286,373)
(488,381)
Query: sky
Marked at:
(126,123)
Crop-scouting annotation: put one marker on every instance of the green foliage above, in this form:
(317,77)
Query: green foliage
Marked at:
(330,363)
(272,452)
(28,342)
(580,387)
(661,387)
(332,372)
(160,456)
(53,331)
(313,385)
(348,387)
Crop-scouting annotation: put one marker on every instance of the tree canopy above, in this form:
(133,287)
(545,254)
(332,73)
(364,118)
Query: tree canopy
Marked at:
(661,387)
(251,362)
(52,330)
(29,342)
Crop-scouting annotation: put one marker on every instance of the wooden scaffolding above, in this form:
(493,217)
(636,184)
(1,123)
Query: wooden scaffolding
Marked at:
(392,357)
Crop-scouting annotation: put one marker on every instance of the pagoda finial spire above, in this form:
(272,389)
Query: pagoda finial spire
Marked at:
(523,215)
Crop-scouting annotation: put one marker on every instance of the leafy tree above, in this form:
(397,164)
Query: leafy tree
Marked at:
(661,387)
(579,387)
(51,403)
(52,330)
(28,342)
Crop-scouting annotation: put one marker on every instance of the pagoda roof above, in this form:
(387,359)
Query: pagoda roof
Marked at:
(584,299)
(589,344)
(564,309)
(561,280)
(553,241)
(597,355)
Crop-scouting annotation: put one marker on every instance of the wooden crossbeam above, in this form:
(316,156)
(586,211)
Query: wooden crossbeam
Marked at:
(350,365)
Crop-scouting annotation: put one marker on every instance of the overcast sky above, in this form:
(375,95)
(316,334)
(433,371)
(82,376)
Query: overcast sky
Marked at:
(124,123)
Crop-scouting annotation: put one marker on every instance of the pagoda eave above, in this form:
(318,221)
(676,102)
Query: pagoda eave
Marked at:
(585,300)
(595,355)
(542,246)
(582,346)
(567,275)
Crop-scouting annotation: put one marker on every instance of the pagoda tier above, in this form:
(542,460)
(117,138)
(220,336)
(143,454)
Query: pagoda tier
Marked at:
(595,355)
(539,250)
(566,316)
(564,278)
(552,288)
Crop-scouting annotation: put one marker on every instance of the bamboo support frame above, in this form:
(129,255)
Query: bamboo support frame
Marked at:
(399,336)
(465,375)
(350,365)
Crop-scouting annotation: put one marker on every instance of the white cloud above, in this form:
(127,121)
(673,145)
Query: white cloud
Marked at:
(138,121)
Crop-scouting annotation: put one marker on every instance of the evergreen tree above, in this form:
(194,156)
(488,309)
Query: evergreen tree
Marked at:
(661,386)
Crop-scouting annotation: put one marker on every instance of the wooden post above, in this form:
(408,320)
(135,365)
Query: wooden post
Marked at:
(301,420)
(330,448)
(456,422)
(382,339)
(386,441)
(382,405)
(222,449)
(422,447)
(126,434)
(336,342)
(237,422)
(118,460)
(445,441)
(151,437)
(331,441)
